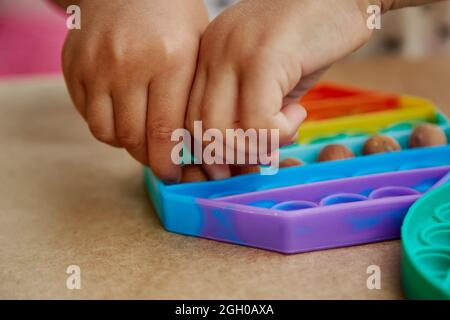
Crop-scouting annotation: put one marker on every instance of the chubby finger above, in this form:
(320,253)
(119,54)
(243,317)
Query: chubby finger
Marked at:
(220,100)
(130,115)
(194,108)
(76,89)
(73,78)
(261,105)
(219,111)
(168,98)
(100,116)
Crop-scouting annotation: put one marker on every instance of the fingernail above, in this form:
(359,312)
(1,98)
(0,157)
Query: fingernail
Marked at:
(305,112)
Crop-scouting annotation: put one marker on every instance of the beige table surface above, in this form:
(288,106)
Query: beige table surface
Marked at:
(66,199)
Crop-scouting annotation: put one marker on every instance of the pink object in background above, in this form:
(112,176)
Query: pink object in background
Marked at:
(31,37)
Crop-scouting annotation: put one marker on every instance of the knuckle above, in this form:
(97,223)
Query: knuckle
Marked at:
(175,56)
(114,50)
(117,58)
(160,131)
(256,59)
(129,139)
(116,63)
(175,59)
(176,51)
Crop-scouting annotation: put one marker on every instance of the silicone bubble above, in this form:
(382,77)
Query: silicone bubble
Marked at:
(436,262)
(438,235)
(387,192)
(294,205)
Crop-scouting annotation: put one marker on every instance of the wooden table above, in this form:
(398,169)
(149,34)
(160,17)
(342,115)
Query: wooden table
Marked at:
(67,200)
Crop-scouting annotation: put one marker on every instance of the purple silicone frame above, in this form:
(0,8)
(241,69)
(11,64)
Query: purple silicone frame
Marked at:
(320,215)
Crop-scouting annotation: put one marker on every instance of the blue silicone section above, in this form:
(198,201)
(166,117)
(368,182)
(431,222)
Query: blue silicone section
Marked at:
(372,164)
(177,213)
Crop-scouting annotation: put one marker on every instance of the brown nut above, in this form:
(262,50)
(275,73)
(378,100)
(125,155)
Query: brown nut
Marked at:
(427,135)
(192,173)
(380,144)
(290,162)
(334,152)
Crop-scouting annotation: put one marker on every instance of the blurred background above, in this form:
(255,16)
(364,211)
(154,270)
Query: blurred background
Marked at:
(32,34)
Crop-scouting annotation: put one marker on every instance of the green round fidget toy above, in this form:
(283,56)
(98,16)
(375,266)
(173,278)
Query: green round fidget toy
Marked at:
(426,246)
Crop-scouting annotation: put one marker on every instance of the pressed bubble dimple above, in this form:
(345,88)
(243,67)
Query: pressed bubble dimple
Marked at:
(294,205)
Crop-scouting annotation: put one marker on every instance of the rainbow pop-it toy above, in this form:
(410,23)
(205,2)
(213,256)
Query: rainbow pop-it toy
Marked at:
(319,204)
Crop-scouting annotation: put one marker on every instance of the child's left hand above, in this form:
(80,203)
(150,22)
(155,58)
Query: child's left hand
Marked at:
(259,57)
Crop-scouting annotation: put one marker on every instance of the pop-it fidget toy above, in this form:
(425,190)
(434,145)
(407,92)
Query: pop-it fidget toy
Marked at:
(316,205)
(426,246)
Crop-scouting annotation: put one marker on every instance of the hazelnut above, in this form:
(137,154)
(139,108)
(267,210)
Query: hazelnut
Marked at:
(334,152)
(290,162)
(426,135)
(380,144)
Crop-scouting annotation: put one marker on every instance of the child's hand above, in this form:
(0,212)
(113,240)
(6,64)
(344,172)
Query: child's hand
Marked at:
(129,71)
(260,56)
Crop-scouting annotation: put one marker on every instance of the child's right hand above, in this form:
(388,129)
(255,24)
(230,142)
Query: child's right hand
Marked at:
(259,57)
(129,71)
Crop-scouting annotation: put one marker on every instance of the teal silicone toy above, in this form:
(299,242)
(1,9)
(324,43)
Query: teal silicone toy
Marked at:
(426,246)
